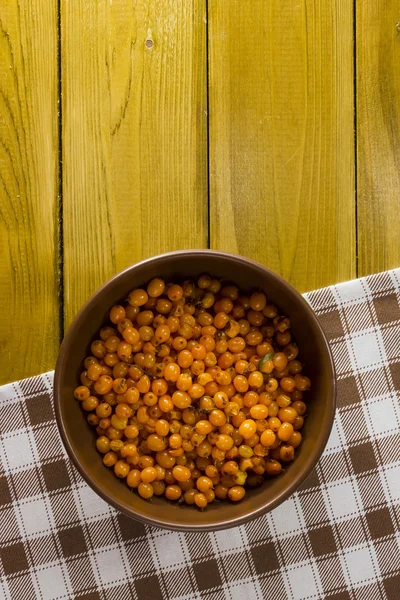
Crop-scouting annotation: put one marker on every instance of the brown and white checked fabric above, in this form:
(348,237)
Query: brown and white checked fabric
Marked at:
(337,537)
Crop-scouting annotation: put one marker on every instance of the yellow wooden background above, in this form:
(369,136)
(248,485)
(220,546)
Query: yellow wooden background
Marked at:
(132,127)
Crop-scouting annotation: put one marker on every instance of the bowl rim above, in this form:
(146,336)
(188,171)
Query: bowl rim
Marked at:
(160,522)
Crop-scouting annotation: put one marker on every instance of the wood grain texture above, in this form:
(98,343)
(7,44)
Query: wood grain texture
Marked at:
(29,314)
(378,134)
(282,136)
(134,135)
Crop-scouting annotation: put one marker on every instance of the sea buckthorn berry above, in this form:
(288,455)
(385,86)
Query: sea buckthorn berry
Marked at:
(119,385)
(251,398)
(165,460)
(217,417)
(204,483)
(232,329)
(280,361)
(103,444)
(273,467)
(258,301)
(133,479)
(221,346)
(298,423)
(236,493)
(295,367)
(128,450)
(244,327)
(173,492)
(295,439)
(155,288)
(253,338)
(123,410)
(224,305)
(247,429)
(138,297)
(98,349)
(110,459)
(259,411)
(175,293)
(145,317)
(181,473)
(273,409)
(121,469)
(302,382)
(291,351)
(226,360)
(224,442)
(211,471)
(148,474)
(210,360)
(165,403)
(238,419)
(288,384)
(255,318)
(271,385)
(82,393)
(145,490)
(184,382)
(103,385)
(267,438)
(230,291)
(131,335)
(221,400)
(117,313)
(204,282)
(132,395)
(156,443)
(204,427)
(287,414)
(172,372)
(158,487)
(221,319)
(200,500)
(175,441)
(286,453)
(300,407)
(198,351)
(285,431)
(159,387)
(185,359)
(145,461)
(256,379)
(270,311)
(274,423)
(221,491)
(124,351)
(283,400)
(119,423)
(85,379)
(241,383)
(162,427)
(196,391)
(181,399)
(89,360)
(103,410)
(95,371)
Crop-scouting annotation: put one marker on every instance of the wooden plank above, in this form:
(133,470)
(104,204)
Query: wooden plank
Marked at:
(378,134)
(29,313)
(282,136)
(134,135)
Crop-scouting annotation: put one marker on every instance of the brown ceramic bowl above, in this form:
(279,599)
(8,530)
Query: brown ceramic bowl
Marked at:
(79,440)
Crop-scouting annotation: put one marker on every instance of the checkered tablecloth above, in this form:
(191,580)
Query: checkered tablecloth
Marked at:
(337,537)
